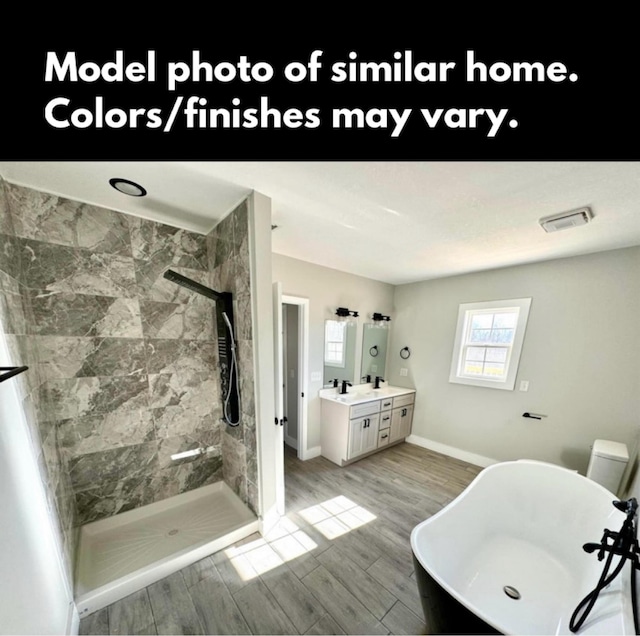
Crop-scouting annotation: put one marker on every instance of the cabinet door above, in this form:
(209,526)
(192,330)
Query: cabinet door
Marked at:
(401,419)
(363,435)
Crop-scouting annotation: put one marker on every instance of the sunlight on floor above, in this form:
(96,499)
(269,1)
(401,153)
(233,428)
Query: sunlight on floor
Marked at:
(287,541)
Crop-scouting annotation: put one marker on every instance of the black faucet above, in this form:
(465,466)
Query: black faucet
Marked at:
(624,544)
(335,382)
(345,384)
(378,380)
(367,378)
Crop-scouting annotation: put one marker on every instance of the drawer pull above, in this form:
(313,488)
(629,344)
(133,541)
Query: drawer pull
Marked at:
(385,436)
(384,419)
(387,404)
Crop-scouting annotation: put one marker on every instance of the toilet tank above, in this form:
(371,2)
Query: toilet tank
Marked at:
(607,463)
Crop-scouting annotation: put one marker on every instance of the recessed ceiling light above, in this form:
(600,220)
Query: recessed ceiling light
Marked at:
(127,187)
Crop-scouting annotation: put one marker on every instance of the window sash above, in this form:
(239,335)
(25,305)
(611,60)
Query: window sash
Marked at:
(488,342)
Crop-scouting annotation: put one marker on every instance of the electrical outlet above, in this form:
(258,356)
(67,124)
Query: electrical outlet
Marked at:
(404,371)
(524,385)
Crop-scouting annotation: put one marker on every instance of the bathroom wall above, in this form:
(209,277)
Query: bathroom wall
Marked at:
(128,360)
(580,355)
(327,289)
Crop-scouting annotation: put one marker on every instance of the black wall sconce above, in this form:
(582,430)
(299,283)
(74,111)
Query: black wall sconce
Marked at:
(343,312)
(380,318)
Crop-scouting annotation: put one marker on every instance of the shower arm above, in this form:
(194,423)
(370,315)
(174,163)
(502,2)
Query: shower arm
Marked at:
(195,286)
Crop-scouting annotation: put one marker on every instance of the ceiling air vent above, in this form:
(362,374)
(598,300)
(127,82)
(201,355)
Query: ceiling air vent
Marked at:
(565,220)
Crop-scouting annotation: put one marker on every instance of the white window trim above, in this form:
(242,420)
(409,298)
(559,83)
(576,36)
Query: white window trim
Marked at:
(508,383)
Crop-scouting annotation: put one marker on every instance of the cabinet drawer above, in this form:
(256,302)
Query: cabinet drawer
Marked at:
(383,437)
(368,408)
(385,419)
(403,400)
(386,404)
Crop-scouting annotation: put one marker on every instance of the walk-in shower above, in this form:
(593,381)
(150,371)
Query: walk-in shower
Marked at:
(226,343)
(121,554)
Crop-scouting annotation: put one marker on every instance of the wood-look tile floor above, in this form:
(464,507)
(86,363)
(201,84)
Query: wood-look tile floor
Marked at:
(339,562)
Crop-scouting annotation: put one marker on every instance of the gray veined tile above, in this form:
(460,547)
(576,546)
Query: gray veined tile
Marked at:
(171,245)
(114,357)
(46,217)
(87,471)
(181,356)
(191,321)
(105,431)
(192,391)
(58,268)
(180,419)
(69,314)
(152,285)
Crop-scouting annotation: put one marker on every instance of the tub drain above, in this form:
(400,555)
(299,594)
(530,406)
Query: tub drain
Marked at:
(511,592)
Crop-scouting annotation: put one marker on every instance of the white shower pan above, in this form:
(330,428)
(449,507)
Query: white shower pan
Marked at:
(124,553)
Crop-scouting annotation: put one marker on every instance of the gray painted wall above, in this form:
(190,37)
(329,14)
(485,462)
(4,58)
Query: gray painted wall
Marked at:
(580,355)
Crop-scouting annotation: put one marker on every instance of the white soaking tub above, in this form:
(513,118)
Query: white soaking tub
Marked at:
(518,530)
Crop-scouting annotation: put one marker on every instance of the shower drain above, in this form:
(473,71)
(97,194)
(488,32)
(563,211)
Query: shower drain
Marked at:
(511,592)
(172,532)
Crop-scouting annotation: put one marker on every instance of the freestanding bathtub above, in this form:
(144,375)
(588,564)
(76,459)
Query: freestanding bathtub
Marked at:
(506,555)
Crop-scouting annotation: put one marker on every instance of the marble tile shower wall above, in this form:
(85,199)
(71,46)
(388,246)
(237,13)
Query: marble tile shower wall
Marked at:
(127,361)
(15,318)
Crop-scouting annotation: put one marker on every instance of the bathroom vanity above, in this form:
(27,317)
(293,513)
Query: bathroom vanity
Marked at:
(364,421)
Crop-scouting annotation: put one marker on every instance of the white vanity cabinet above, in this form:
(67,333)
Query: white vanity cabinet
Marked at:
(401,418)
(354,426)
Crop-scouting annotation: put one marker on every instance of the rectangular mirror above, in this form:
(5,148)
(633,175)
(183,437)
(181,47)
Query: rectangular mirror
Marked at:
(339,351)
(374,350)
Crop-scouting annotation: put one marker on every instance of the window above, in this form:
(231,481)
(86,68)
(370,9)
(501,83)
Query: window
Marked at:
(334,343)
(488,343)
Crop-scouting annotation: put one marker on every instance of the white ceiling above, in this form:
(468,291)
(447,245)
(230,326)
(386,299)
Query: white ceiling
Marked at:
(394,221)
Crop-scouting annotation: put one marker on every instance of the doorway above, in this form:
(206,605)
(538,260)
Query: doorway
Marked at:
(295,352)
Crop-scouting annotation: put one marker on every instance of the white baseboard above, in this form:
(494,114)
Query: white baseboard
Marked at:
(316,451)
(451,451)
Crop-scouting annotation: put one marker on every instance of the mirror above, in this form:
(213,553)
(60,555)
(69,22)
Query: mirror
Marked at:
(374,350)
(339,351)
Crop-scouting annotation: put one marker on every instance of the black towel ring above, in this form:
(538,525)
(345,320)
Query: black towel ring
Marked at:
(405,353)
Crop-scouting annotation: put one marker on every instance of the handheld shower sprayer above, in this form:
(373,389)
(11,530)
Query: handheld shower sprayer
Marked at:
(233,374)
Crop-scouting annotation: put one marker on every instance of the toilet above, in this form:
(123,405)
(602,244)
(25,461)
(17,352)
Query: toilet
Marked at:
(607,463)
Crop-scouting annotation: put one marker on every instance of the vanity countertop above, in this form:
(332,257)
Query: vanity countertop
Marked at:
(363,393)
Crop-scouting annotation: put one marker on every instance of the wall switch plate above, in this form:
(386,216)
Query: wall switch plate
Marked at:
(404,371)
(524,385)
(316,376)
